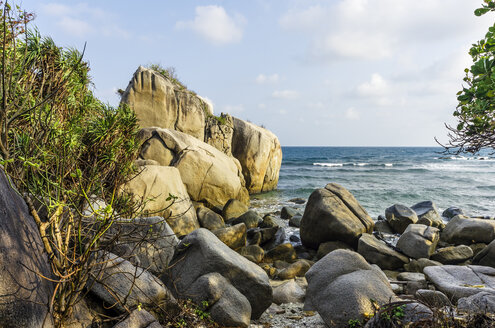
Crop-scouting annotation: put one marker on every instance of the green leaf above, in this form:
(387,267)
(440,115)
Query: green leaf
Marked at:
(481,11)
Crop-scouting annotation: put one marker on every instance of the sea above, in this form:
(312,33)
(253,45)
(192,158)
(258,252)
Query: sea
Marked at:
(382,176)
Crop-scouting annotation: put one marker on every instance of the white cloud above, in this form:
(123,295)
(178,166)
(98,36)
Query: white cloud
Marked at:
(233,109)
(376,87)
(75,26)
(377,29)
(285,94)
(215,25)
(262,78)
(352,114)
(83,20)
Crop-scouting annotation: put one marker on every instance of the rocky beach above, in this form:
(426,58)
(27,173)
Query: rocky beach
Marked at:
(321,261)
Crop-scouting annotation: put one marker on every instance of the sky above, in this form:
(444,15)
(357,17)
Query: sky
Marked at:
(316,73)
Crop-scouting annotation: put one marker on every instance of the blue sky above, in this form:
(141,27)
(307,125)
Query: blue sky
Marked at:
(335,72)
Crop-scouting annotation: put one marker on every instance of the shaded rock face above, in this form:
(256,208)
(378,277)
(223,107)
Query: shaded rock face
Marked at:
(461,281)
(122,285)
(483,302)
(219,132)
(148,243)
(24,295)
(153,185)
(160,103)
(260,154)
(377,252)
(333,214)
(463,230)
(139,319)
(427,212)
(209,175)
(453,254)
(200,253)
(341,285)
(486,256)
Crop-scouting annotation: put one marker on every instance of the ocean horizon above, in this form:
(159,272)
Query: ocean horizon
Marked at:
(381,176)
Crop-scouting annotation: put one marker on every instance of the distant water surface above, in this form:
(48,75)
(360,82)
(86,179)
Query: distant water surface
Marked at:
(382,176)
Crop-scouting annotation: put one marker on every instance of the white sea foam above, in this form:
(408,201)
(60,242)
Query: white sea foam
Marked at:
(329,164)
(351,164)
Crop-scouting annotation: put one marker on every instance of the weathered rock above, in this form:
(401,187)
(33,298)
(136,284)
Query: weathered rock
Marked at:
(477,248)
(233,208)
(288,292)
(411,312)
(487,256)
(341,285)
(452,212)
(283,252)
(296,269)
(481,302)
(259,152)
(400,216)
(269,221)
(288,212)
(377,252)
(295,221)
(463,230)
(201,253)
(419,265)
(411,276)
(428,214)
(139,319)
(148,243)
(333,214)
(234,236)
(24,294)
(452,254)
(272,237)
(418,241)
(158,102)
(153,186)
(209,175)
(227,306)
(461,281)
(219,131)
(433,298)
(251,219)
(253,253)
(209,219)
(383,227)
(330,246)
(122,285)
(297,200)
(81,317)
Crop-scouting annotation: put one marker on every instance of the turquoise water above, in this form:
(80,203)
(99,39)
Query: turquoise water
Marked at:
(382,176)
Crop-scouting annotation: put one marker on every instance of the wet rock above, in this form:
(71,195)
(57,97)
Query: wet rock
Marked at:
(452,212)
(297,200)
(383,227)
(295,221)
(400,216)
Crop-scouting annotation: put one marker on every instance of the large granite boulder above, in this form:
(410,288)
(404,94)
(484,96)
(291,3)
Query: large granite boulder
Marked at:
(341,286)
(24,294)
(148,243)
(153,187)
(461,281)
(427,212)
(209,219)
(233,236)
(219,132)
(463,230)
(333,214)
(200,253)
(452,254)
(159,102)
(260,154)
(377,252)
(400,216)
(121,285)
(419,241)
(209,175)
(482,302)
(486,256)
